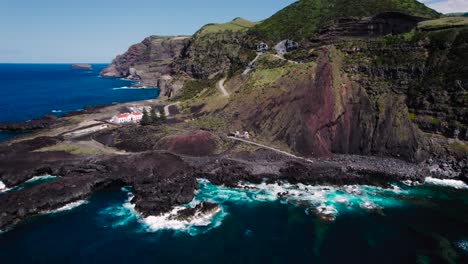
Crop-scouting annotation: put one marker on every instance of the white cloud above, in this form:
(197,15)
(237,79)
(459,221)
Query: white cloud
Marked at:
(447,6)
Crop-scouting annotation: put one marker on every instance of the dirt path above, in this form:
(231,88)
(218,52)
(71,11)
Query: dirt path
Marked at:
(166,108)
(251,64)
(222,88)
(270,148)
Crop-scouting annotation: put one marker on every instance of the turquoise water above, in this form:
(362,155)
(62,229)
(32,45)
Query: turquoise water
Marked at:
(32,90)
(362,224)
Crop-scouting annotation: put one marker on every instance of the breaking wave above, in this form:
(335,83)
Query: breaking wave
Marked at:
(463,245)
(326,202)
(36,180)
(3,187)
(120,215)
(56,111)
(67,207)
(446,182)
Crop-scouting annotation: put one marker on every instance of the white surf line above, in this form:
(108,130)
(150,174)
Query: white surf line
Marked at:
(270,148)
(166,108)
(3,187)
(222,88)
(457,184)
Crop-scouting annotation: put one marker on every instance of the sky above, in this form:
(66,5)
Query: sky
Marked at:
(95,31)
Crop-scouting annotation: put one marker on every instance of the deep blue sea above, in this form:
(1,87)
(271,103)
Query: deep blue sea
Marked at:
(315,224)
(30,91)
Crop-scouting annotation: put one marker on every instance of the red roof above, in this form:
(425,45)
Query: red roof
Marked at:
(122,115)
(136,113)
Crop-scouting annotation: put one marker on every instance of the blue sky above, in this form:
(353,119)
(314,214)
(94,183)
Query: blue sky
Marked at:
(62,31)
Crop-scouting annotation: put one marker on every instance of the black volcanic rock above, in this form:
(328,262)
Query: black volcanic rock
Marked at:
(39,123)
(201,209)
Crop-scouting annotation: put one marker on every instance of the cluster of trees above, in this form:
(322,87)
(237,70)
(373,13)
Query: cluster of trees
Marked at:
(152,117)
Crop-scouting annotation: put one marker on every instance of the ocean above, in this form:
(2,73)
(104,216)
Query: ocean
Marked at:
(315,224)
(31,91)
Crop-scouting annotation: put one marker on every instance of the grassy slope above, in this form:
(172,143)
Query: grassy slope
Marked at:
(303,18)
(237,24)
(444,23)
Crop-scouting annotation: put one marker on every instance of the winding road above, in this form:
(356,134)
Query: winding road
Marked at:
(166,108)
(222,88)
(251,64)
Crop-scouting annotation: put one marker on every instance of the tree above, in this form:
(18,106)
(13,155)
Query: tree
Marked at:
(153,116)
(162,115)
(145,120)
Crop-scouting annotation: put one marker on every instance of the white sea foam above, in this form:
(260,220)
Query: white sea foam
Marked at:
(134,88)
(463,245)
(446,182)
(56,111)
(166,221)
(3,187)
(40,178)
(328,202)
(125,213)
(120,214)
(67,207)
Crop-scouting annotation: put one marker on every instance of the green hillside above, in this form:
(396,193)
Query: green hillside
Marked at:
(303,18)
(238,24)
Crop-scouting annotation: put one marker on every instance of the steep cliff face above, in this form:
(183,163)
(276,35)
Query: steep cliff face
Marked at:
(430,69)
(168,62)
(217,52)
(150,62)
(316,109)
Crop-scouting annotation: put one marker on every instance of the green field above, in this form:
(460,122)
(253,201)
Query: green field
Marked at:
(238,24)
(445,22)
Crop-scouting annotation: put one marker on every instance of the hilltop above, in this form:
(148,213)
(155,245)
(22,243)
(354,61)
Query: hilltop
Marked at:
(304,18)
(237,24)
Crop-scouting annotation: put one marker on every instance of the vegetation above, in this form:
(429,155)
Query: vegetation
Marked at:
(458,148)
(193,88)
(446,22)
(146,120)
(72,149)
(238,24)
(162,116)
(304,18)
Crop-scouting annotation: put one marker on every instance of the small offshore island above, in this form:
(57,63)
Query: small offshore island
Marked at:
(357,96)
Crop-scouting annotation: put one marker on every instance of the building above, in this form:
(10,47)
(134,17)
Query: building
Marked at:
(285,46)
(237,134)
(127,118)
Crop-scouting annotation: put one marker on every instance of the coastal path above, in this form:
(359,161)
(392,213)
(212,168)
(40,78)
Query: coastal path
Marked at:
(270,148)
(167,112)
(250,67)
(222,88)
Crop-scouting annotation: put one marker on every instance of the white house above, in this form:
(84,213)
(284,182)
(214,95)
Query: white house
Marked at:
(127,117)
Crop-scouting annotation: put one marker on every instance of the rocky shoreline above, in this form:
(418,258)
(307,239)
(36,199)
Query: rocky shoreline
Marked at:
(162,179)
